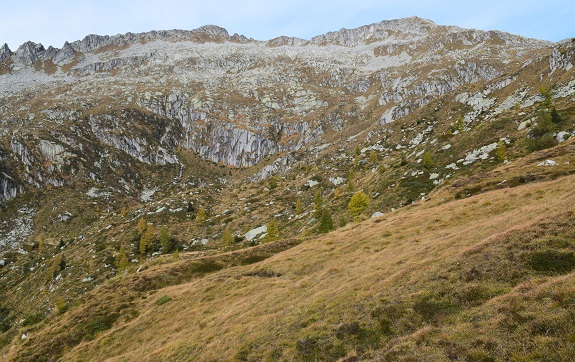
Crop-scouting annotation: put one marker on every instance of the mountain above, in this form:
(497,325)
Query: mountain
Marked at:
(117,151)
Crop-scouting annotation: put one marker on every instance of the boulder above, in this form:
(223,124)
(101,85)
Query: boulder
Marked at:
(256,233)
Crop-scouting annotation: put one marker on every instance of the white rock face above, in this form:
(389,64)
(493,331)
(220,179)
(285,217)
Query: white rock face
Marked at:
(336,181)
(9,188)
(281,165)
(565,90)
(393,114)
(147,194)
(256,233)
(311,183)
(548,163)
(561,59)
(14,232)
(481,153)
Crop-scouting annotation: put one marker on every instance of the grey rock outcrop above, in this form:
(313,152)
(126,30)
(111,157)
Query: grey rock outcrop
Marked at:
(408,27)
(9,188)
(90,43)
(5,52)
(213,30)
(28,53)
(64,55)
(235,101)
(562,56)
(286,41)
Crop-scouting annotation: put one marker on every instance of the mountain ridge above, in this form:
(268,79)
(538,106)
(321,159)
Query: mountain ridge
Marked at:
(93,42)
(114,157)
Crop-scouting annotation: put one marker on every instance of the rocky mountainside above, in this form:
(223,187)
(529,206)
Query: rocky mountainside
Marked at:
(209,137)
(234,101)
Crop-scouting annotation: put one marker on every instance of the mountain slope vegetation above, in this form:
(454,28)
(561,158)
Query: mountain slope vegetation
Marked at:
(398,191)
(437,280)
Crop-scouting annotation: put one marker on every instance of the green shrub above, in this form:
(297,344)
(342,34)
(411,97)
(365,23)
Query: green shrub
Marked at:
(205,266)
(98,324)
(163,300)
(252,259)
(542,143)
(552,262)
(427,160)
(432,307)
(32,319)
(272,183)
(5,319)
(478,355)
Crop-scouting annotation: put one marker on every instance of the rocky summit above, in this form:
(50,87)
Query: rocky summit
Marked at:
(118,151)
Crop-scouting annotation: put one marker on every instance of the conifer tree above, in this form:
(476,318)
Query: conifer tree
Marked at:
(227,238)
(318,201)
(547,98)
(41,243)
(273,231)
(325,222)
(298,207)
(201,216)
(121,259)
(142,224)
(372,156)
(357,204)
(555,117)
(350,176)
(165,240)
(147,239)
(501,151)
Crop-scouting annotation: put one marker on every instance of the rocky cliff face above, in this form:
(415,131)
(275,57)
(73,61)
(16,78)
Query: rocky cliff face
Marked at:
(235,101)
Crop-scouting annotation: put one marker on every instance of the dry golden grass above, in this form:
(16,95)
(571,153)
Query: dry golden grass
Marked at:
(435,281)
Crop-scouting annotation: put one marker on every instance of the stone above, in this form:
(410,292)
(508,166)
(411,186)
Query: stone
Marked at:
(524,125)
(377,214)
(256,233)
(311,183)
(336,181)
(548,163)
(563,136)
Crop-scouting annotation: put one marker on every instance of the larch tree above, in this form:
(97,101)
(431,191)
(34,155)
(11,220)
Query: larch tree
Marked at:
(273,231)
(358,204)
(165,240)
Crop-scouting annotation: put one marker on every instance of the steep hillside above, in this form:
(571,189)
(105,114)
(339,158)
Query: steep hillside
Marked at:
(164,166)
(440,280)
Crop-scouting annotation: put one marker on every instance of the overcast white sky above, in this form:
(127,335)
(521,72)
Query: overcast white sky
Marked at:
(51,22)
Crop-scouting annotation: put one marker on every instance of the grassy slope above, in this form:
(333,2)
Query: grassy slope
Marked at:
(466,279)
(470,279)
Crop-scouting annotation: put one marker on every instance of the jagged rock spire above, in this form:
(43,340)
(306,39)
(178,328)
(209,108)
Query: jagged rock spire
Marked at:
(29,52)
(5,52)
